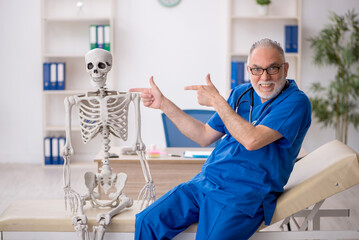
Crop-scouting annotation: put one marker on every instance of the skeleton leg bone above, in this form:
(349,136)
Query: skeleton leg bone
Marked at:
(105,219)
(80,220)
(99,231)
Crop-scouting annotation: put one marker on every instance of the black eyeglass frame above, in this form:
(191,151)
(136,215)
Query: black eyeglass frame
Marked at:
(266,69)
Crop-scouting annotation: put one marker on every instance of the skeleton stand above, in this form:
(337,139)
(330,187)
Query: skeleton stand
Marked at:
(104,112)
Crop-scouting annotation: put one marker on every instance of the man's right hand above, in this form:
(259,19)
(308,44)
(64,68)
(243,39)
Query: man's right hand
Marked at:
(151,97)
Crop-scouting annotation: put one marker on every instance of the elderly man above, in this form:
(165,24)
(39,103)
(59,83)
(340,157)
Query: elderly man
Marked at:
(263,123)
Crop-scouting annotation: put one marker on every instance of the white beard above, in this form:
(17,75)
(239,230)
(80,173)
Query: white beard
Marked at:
(277,89)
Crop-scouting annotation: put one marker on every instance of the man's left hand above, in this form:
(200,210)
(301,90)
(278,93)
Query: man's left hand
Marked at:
(206,94)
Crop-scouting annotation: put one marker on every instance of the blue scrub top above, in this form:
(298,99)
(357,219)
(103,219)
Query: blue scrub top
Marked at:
(245,180)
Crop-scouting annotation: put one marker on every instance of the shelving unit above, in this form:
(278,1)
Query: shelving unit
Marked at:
(65,38)
(245,26)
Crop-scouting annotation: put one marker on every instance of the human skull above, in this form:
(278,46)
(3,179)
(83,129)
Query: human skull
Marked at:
(98,64)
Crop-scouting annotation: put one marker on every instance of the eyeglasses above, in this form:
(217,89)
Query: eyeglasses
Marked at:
(270,70)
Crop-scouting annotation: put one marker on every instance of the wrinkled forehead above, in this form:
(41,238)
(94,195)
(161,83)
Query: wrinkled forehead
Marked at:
(265,56)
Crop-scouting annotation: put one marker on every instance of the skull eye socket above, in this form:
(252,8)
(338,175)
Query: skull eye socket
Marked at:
(89,66)
(101,65)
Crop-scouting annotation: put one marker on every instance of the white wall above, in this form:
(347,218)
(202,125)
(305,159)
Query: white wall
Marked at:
(20,77)
(315,16)
(178,46)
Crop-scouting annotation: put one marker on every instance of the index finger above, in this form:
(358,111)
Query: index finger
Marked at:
(139,90)
(192,87)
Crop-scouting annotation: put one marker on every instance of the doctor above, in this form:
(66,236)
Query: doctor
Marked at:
(263,123)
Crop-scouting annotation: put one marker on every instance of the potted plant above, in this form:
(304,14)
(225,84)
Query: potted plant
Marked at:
(263,7)
(336,103)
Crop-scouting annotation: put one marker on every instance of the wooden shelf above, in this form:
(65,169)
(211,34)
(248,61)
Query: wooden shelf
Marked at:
(64,55)
(76,19)
(65,38)
(239,54)
(60,128)
(64,92)
(253,18)
(245,26)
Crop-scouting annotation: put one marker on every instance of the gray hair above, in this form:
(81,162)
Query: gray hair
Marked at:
(266,42)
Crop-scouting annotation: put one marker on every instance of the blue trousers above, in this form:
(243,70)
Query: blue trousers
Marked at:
(184,205)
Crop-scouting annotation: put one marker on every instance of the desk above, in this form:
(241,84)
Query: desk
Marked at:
(167,172)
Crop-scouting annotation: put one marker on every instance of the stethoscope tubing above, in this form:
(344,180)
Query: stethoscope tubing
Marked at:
(251,104)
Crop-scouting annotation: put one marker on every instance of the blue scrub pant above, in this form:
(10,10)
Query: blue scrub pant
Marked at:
(184,205)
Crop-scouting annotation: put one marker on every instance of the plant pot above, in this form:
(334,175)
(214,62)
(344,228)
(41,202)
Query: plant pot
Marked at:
(262,10)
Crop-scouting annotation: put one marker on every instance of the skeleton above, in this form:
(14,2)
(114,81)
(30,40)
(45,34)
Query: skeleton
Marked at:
(103,112)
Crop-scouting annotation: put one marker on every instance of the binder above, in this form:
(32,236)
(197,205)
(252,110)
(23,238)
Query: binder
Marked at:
(47,150)
(287,39)
(61,142)
(46,75)
(107,39)
(55,150)
(237,73)
(100,36)
(233,75)
(246,76)
(294,31)
(291,38)
(240,72)
(61,76)
(93,36)
(53,76)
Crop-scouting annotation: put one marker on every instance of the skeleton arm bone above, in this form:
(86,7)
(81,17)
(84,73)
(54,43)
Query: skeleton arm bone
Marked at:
(69,102)
(147,193)
(139,146)
(75,200)
(68,150)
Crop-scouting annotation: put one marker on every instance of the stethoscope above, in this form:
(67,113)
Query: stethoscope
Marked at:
(251,104)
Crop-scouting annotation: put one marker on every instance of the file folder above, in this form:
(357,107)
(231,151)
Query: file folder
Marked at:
(287,39)
(46,75)
(233,75)
(107,39)
(47,150)
(237,73)
(61,76)
(93,36)
(61,141)
(294,38)
(53,76)
(100,36)
(55,150)
(240,72)
(246,75)
(291,38)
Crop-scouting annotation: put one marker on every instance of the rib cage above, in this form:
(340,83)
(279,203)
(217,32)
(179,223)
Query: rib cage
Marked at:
(96,113)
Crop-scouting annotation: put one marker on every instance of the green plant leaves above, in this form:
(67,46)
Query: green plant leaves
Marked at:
(338,45)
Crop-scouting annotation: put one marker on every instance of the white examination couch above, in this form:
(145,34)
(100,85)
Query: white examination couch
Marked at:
(328,170)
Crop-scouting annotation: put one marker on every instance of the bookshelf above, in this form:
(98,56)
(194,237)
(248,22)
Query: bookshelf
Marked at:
(245,26)
(65,38)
